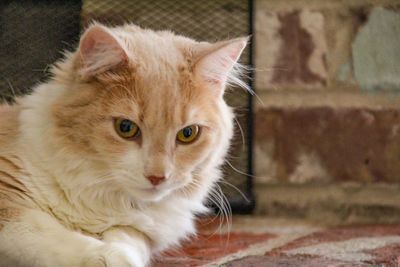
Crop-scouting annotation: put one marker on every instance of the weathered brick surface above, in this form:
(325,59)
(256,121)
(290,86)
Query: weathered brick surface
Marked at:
(342,25)
(375,51)
(331,203)
(320,44)
(290,49)
(327,145)
(338,132)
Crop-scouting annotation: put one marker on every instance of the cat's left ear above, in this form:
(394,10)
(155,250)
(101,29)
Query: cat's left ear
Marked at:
(216,63)
(99,51)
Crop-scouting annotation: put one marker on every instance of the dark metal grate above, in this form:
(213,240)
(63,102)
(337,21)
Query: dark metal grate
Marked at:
(202,20)
(32,35)
(34,32)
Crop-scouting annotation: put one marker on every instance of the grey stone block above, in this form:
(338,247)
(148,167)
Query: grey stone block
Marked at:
(376,51)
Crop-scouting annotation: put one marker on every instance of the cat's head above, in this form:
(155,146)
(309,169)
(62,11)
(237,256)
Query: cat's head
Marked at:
(147,107)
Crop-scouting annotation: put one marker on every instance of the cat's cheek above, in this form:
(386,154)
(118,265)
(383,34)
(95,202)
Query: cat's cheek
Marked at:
(180,179)
(132,160)
(191,154)
(114,148)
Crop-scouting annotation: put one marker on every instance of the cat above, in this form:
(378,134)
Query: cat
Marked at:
(112,159)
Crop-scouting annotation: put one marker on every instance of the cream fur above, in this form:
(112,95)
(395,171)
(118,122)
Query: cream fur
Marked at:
(75,216)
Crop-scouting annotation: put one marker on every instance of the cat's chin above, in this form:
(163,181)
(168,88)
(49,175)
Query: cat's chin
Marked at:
(150,194)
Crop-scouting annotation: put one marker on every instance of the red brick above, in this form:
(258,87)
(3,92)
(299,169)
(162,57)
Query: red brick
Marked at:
(291,49)
(320,144)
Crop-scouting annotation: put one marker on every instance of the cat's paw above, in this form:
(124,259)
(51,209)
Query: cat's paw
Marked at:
(113,255)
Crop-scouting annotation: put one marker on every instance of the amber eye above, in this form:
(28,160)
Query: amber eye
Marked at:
(188,134)
(126,128)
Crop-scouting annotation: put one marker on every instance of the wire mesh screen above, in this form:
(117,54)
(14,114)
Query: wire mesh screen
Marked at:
(32,35)
(34,32)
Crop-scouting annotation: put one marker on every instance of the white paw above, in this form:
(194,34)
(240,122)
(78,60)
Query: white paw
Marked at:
(113,255)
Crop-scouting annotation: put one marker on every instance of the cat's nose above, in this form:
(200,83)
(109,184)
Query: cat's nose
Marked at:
(155,180)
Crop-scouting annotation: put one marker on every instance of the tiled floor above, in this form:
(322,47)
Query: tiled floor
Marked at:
(255,241)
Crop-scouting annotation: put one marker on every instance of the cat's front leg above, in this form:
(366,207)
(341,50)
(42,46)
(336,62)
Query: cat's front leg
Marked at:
(115,254)
(124,246)
(36,239)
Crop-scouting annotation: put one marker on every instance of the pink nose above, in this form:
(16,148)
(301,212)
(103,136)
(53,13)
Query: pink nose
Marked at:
(155,180)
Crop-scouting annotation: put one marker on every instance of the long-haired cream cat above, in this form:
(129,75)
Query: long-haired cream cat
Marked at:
(111,160)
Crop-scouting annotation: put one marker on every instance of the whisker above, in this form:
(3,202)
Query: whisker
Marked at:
(237,189)
(241,133)
(11,88)
(238,171)
(216,199)
(259,99)
(228,213)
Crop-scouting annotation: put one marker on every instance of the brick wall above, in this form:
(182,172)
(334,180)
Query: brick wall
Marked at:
(327,121)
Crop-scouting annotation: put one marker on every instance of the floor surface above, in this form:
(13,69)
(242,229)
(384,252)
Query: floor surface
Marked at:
(255,241)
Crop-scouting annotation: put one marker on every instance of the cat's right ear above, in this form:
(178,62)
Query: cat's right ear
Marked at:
(216,63)
(99,51)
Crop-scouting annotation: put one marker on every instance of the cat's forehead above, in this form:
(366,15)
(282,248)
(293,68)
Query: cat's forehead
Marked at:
(157,109)
(157,99)
(152,50)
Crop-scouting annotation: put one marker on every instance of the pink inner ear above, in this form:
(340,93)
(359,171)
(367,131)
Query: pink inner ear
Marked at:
(236,49)
(216,66)
(99,51)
